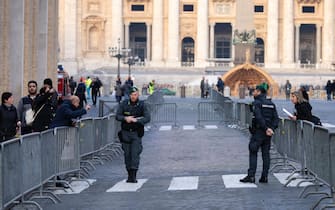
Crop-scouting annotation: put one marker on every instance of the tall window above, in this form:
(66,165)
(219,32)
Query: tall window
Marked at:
(259,51)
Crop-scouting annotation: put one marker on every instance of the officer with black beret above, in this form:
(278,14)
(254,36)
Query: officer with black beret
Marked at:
(265,121)
(133,114)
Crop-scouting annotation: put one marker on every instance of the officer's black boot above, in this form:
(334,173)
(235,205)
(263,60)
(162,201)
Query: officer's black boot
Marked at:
(263,179)
(133,175)
(248,179)
(129,176)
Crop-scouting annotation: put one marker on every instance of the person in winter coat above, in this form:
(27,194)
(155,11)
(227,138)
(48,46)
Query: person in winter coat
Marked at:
(25,104)
(45,106)
(80,92)
(302,106)
(329,89)
(68,111)
(118,90)
(9,122)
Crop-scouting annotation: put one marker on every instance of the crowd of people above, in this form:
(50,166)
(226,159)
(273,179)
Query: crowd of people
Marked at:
(45,106)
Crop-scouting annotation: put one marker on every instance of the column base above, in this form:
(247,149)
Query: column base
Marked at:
(272,65)
(156,64)
(173,64)
(288,65)
(201,64)
(70,66)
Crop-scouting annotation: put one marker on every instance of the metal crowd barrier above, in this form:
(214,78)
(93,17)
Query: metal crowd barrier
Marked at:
(31,162)
(313,147)
(106,107)
(163,113)
(210,112)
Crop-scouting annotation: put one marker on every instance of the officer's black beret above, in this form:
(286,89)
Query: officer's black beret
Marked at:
(260,88)
(133,89)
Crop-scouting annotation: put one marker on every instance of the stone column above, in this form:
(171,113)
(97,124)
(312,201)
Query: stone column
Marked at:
(328,33)
(52,40)
(202,34)
(3,45)
(157,29)
(318,43)
(42,64)
(297,43)
(232,45)
(148,42)
(212,41)
(272,34)
(16,47)
(126,35)
(288,33)
(117,23)
(70,37)
(173,34)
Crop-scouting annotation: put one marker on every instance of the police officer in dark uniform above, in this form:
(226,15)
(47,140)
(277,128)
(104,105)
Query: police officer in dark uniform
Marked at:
(265,121)
(133,114)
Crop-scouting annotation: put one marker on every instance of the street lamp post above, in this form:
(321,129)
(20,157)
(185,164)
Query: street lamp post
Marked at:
(131,61)
(118,52)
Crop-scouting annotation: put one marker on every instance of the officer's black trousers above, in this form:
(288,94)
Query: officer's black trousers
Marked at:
(131,150)
(259,140)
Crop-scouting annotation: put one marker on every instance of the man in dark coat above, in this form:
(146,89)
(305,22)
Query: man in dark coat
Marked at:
(68,111)
(95,86)
(220,85)
(202,87)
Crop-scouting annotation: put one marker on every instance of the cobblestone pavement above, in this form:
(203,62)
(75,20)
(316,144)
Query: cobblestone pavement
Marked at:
(186,168)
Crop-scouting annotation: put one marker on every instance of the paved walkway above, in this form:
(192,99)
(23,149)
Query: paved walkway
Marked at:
(185,168)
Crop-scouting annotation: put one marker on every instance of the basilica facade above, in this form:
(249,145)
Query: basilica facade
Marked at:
(283,34)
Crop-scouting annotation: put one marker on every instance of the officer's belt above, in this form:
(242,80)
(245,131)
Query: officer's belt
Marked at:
(129,129)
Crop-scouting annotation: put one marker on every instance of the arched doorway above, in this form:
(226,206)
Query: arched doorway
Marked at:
(259,50)
(187,52)
(247,76)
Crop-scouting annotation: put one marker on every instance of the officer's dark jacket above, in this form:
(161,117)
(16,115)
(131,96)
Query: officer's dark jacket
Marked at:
(138,109)
(265,113)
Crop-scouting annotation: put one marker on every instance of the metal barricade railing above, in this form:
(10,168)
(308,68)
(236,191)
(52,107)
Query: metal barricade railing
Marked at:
(11,172)
(210,112)
(86,137)
(67,150)
(97,133)
(318,154)
(106,107)
(164,113)
(31,162)
(48,155)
